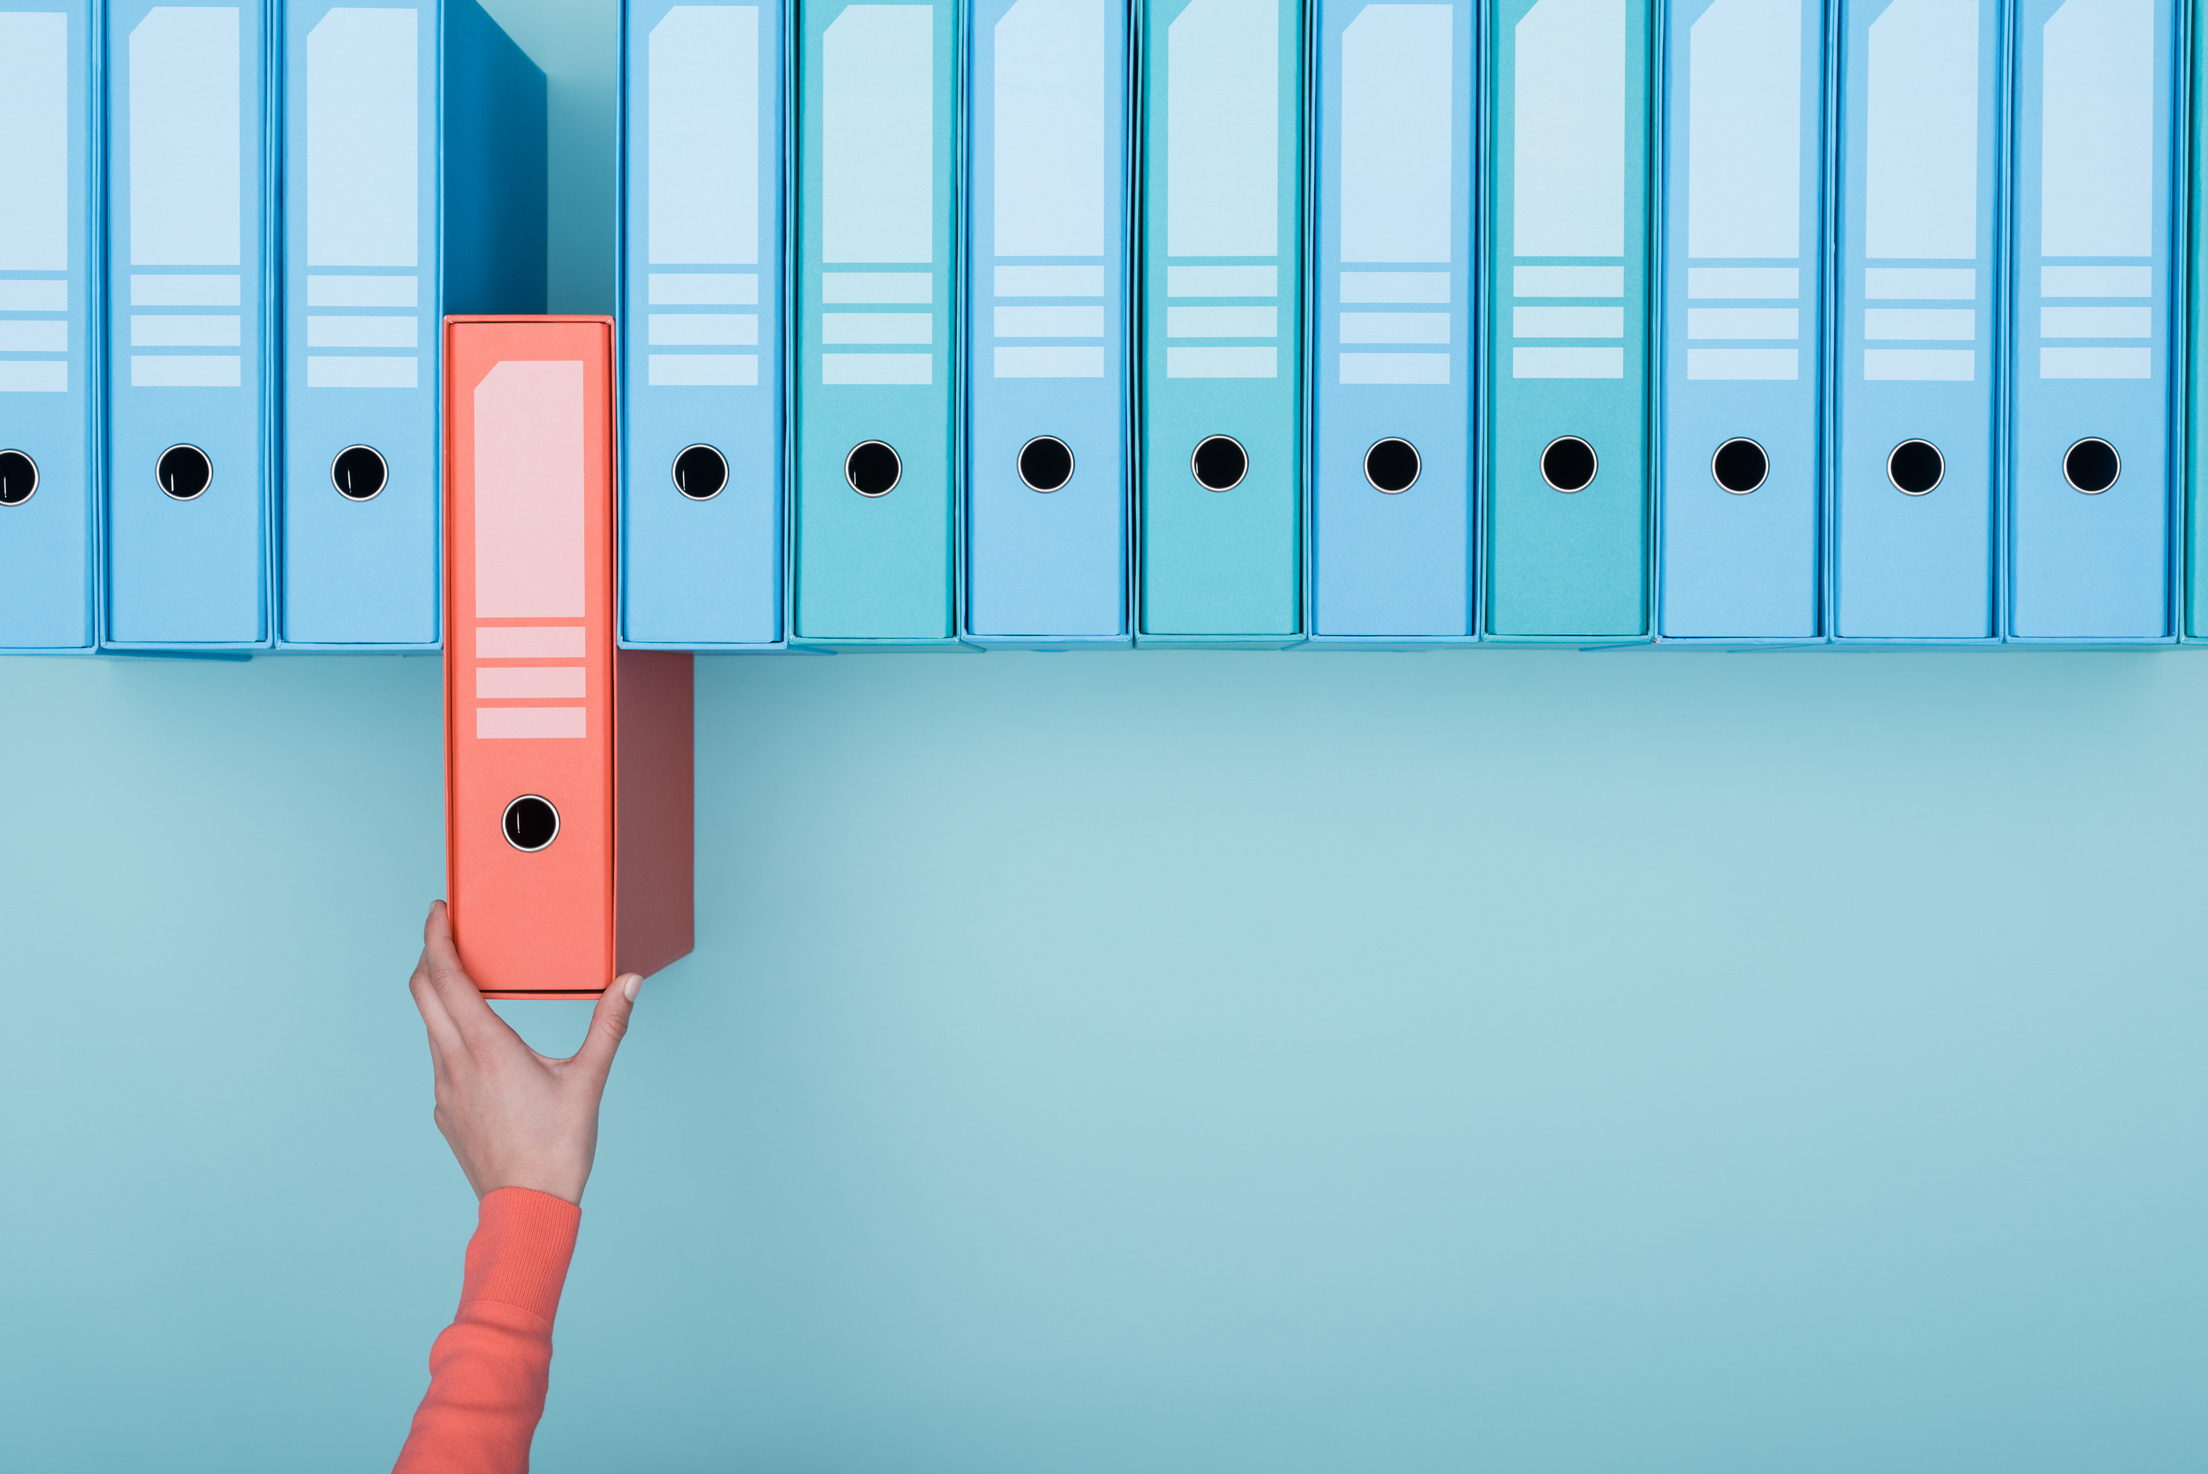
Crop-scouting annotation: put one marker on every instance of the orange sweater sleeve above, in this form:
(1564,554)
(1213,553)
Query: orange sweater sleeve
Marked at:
(487,1370)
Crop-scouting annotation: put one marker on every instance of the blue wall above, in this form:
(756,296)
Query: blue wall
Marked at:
(1499,1061)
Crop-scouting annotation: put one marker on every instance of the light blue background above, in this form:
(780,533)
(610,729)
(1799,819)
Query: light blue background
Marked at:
(1486,1060)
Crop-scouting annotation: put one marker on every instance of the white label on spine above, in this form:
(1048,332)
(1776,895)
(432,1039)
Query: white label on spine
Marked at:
(34,140)
(1049,144)
(702,137)
(1396,134)
(1744,130)
(184,163)
(1921,189)
(1568,131)
(878,135)
(529,510)
(1222,129)
(363,138)
(2096,180)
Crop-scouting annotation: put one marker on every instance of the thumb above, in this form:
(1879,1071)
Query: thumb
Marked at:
(609,1022)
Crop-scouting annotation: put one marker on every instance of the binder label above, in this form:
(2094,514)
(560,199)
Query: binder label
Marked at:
(34,180)
(878,187)
(363,191)
(529,491)
(1397,110)
(1048,154)
(185,184)
(702,191)
(1921,186)
(1568,182)
(1222,176)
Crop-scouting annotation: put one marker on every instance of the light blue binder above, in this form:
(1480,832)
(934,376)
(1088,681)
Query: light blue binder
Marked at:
(1739,504)
(188,305)
(1222,242)
(1047,387)
(413,186)
(702,288)
(1915,502)
(1565,492)
(1392,547)
(49,345)
(872,560)
(2091,466)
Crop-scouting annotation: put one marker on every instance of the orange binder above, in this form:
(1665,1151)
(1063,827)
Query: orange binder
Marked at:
(567,762)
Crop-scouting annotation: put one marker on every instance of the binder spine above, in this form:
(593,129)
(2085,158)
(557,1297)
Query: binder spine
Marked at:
(186,494)
(703,288)
(50,349)
(1567,510)
(1044,268)
(1739,283)
(1223,173)
(1917,497)
(1392,536)
(874,532)
(2091,450)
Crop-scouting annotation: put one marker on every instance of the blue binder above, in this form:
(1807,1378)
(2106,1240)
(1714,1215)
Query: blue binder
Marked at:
(1914,383)
(872,556)
(1566,458)
(188,302)
(49,349)
(1222,232)
(1739,506)
(413,186)
(702,484)
(1047,445)
(2090,473)
(1391,396)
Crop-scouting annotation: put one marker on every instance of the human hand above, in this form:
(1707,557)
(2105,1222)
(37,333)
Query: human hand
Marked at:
(512,1117)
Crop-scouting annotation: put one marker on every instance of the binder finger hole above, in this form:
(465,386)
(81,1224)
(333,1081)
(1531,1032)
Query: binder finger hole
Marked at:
(184,471)
(872,468)
(358,473)
(1046,463)
(1915,467)
(18,478)
(1391,465)
(1740,466)
(2092,466)
(530,823)
(700,472)
(1219,463)
(1568,463)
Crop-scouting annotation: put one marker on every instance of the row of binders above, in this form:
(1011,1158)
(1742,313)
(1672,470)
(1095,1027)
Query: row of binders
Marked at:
(1064,323)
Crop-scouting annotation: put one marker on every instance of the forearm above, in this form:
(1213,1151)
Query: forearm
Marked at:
(488,1369)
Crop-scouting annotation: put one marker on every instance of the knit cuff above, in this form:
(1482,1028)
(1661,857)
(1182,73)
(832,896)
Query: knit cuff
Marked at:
(523,1241)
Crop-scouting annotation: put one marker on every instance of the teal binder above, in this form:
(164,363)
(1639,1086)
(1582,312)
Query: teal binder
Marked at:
(1566,491)
(874,536)
(1222,275)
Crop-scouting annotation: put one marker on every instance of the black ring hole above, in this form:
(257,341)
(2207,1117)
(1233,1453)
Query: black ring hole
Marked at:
(1219,463)
(1915,467)
(358,473)
(700,472)
(872,468)
(1568,463)
(184,471)
(2092,466)
(530,823)
(1046,463)
(1391,465)
(18,478)
(1740,466)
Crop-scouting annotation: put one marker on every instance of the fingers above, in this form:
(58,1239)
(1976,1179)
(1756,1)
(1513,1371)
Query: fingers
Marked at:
(609,1024)
(463,1005)
(444,1037)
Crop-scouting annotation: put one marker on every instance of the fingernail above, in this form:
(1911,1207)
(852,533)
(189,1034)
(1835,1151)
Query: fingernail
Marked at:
(628,988)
